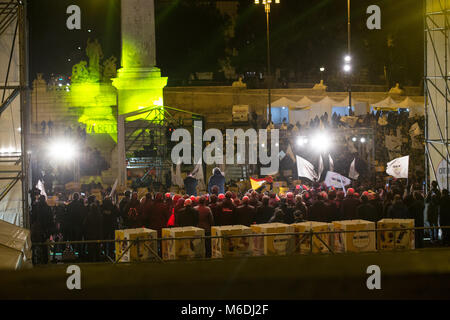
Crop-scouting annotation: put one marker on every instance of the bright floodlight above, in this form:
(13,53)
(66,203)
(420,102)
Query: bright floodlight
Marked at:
(322,69)
(363,140)
(347,68)
(320,142)
(302,141)
(62,150)
(347,58)
(354,139)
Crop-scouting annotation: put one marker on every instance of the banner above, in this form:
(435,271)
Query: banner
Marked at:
(306,169)
(353,174)
(334,179)
(258,183)
(398,168)
(320,167)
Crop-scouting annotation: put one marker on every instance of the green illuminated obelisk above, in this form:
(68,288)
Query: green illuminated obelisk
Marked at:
(139,82)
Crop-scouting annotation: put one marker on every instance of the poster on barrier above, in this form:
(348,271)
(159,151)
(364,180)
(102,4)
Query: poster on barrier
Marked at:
(142,250)
(361,241)
(273,245)
(231,247)
(183,249)
(303,242)
(390,240)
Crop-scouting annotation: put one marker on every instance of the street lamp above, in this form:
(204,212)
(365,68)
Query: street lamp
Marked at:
(267,4)
(348,57)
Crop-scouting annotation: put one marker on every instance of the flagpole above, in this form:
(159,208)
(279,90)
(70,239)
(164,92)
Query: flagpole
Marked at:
(343,187)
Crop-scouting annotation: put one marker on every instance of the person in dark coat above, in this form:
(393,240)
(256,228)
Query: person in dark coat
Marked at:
(217,179)
(398,210)
(245,213)
(190,185)
(416,212)
(42,226)
(186,217)
(349,205)
(264,212)
(444,212)
(122,205)
(365,211)
(205,221)
(93,228)
(318,211)
(110,214)
(76,213)
(432,200)
(333,212)
(132,218)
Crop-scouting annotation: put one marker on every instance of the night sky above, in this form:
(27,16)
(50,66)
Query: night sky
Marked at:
(304,34)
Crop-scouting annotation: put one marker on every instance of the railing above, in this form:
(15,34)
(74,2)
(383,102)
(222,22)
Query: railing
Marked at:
(296,236)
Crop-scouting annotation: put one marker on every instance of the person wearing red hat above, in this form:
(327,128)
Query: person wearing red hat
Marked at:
(245,213)
(221,196)
(227,210)
(215,209)
(159,215)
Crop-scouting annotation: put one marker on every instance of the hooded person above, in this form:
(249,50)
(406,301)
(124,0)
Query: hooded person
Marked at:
(190,185)
(217,179)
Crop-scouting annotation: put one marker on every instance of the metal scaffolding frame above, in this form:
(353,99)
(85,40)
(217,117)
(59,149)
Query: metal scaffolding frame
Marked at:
(436,30)
(15,11)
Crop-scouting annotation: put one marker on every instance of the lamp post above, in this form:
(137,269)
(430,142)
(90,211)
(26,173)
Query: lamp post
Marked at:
(347,66)
(267,4)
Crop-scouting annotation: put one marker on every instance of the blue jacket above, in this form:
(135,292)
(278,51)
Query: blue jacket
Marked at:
(217,179)
(190,185)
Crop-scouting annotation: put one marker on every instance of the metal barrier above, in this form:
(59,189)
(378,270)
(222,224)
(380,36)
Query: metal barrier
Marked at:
(310,234)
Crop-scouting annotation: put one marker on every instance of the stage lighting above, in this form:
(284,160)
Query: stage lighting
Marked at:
(354,139)
(347,58)
(62,150)
(363,140)
(320,142)
(302,141)
(347,68)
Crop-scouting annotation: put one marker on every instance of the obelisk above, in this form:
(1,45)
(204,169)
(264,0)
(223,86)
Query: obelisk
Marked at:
(139,81)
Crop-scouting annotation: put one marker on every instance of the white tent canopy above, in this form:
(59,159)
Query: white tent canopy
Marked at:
(283,102)
(322,106)
(345,102)
(386,103)
(304,102)
(415,108)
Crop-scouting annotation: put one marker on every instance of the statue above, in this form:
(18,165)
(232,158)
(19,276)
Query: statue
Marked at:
(94,53)
(109,69)
(80,72)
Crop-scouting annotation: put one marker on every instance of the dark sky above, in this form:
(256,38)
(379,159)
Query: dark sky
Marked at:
(312,30)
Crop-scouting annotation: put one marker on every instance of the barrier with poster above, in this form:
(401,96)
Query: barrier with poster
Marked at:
(278,245)
(131,250)
(395,239)
(173,249)
(321,243)
(357,241)
(231,246)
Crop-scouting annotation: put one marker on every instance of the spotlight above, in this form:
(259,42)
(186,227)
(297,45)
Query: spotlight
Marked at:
(354,139)
(347,58)
(322,69)
(301,141)
(347,68)
(62,150)
(363,140)
(320,142)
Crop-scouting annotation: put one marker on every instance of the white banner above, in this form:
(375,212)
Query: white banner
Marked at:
(334,179)
(306,169)
(331,162)
(353,174)
(320,167)
(398,168)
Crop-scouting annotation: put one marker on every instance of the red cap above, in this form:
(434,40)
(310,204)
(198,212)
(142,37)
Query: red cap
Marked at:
(245,199)
(290,195)
(192,198)
(365,193)
(356,194)
(297,187)
(350,191)
(187,202)
(168,195)
(221,196)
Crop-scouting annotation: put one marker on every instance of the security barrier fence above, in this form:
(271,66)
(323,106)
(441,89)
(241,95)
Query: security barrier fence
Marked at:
(100,250)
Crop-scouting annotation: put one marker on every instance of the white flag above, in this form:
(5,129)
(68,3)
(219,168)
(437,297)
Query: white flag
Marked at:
(178,179)
(320,167)
(197,173)
(41,187)
(353,174)
(334,179)
(306,169)
(398,168)
(114,188)
(331,163)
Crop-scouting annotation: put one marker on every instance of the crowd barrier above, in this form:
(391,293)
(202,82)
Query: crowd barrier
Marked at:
(153,248)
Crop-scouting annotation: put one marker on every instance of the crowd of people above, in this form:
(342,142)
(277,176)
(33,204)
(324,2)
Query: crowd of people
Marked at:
(88,218)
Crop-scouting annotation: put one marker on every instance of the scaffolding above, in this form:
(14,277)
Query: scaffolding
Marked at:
(14,159)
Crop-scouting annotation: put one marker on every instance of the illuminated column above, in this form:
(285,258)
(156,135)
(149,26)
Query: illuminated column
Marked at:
(139,81)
